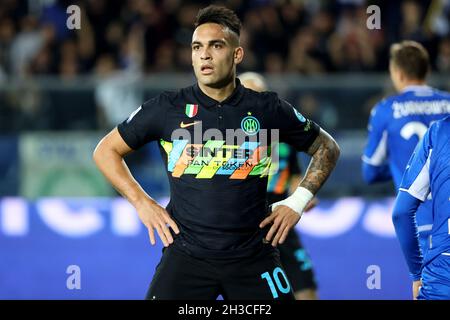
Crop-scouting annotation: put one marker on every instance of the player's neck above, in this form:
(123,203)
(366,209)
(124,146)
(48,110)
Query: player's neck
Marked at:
(410,83)
(218,94)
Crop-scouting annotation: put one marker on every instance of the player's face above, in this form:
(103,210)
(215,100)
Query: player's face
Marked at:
(214,55)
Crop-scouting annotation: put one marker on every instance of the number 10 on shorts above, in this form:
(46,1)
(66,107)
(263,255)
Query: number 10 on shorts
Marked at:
(275,277)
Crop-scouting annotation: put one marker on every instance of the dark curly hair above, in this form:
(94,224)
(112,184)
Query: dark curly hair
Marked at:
(220,15)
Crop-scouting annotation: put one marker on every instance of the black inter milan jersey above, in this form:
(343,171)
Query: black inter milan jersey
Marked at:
(218,157)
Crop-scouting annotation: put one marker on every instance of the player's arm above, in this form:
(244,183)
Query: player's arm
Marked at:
(324,154)
(404,219)
(374,174)
(109,158)
(374,161)
(144,125)
(414,189)
(415,288)
(286,213)
(303,135)
(295,181)
(296,178)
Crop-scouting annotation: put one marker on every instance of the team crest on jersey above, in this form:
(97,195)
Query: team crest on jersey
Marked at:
(191,110)
(250,125)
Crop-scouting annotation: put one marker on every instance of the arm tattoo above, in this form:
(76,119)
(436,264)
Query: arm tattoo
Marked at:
(325,153)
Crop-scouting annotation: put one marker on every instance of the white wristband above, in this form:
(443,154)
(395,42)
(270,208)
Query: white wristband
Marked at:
(296,201)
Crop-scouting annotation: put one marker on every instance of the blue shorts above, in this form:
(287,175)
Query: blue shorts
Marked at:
(436,279)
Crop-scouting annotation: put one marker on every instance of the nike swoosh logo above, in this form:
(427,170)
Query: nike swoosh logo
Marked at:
(185,125)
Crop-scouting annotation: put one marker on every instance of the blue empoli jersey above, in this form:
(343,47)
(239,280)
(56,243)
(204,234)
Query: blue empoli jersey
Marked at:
(396,125)
(428,171)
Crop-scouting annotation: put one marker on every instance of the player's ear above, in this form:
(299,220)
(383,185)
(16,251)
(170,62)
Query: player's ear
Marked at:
(238,55)
(401,76)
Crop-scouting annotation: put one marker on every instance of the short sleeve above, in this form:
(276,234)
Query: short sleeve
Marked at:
(295,129)
(375,152)
(145,124)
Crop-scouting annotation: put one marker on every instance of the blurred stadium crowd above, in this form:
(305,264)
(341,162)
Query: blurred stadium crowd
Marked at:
(120,42)
(306,37)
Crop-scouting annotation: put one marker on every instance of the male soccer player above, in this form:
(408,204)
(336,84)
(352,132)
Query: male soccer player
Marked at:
(294,257)
(427,171)
(398,122)
(218,235)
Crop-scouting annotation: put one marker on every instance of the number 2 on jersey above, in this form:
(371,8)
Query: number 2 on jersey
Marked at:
(413,128)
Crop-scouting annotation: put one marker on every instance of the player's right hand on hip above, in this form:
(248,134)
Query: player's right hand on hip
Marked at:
(155,217)
(415,288)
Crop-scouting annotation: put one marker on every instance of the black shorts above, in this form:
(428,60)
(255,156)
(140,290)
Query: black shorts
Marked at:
(296,263)
(180,276)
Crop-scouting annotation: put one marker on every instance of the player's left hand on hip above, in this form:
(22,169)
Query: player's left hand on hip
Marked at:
(311,204)
(283,219)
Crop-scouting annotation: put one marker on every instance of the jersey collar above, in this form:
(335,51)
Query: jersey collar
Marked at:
(207,101)
(417,88)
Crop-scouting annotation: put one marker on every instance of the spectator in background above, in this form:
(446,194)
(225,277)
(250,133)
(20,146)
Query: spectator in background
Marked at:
(251,57)
(68,63)
(303,56)
(307,37)
(117,93)
(322,25)
(165,57)
(182,36)
(26,45)
(443,57)
(55,15)
(41,63)
(120,72)
(318,110)
(411,26)
(274,63)
(86,45)
(7,31)
(293,15)
(351,47)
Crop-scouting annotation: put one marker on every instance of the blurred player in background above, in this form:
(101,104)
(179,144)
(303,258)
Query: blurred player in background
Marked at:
(398,122)
(427,172)
(294,257)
